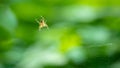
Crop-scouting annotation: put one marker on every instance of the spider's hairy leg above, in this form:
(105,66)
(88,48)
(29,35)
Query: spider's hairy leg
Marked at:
(47,26)
(37,21)
(42,17)
(45,21)
(40,27)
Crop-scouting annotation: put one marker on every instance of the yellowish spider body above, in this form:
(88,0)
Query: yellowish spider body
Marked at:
(42,23)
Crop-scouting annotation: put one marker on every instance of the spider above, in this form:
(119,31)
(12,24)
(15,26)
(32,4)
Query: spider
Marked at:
(42,23)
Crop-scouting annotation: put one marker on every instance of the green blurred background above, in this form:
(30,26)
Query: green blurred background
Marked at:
(82,34)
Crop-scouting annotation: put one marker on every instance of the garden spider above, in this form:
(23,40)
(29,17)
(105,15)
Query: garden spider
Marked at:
(42,23)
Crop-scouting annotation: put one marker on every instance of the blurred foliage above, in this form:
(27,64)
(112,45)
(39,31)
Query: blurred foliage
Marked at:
(81,34)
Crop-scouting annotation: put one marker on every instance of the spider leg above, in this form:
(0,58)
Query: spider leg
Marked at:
(47,26)
(40,27)
(37,21)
